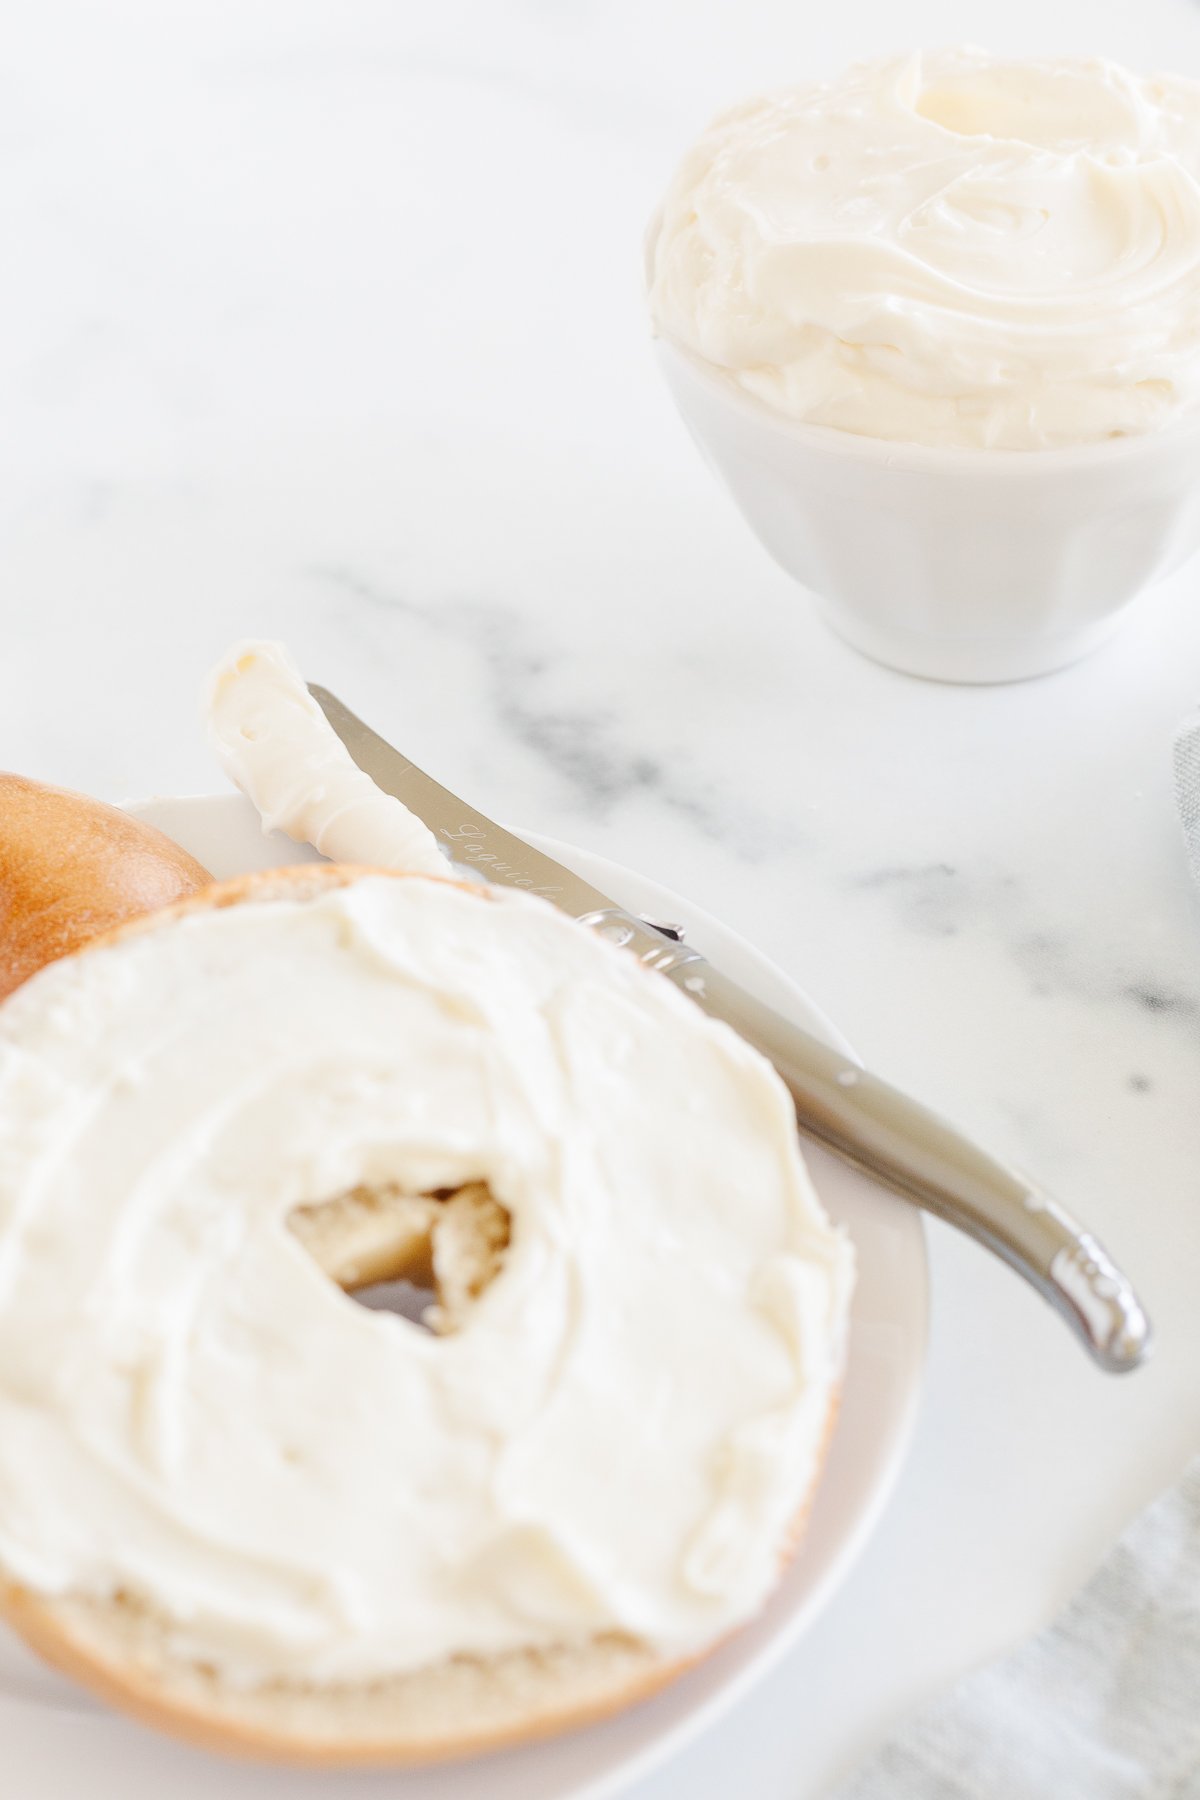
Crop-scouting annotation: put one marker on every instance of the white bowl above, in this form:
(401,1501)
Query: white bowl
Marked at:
(958,564)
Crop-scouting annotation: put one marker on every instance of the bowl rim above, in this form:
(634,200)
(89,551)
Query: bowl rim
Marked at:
(903,453)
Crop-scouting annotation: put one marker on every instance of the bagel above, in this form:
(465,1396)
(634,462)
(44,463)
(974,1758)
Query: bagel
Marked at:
(72,868)
(218,1473)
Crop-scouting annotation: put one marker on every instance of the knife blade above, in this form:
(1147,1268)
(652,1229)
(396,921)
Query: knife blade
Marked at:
(861,1118)
(477,844)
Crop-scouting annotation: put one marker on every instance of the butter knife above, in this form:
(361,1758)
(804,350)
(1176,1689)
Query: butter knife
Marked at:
(869,1124)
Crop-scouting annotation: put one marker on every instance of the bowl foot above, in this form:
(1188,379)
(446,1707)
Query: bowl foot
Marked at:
(973,661)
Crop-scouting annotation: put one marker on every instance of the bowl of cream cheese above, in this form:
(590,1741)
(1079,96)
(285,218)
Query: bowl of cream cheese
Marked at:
(937,326)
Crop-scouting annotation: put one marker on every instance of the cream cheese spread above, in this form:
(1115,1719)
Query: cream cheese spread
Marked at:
(948,248)
(191,1412)
(275,743)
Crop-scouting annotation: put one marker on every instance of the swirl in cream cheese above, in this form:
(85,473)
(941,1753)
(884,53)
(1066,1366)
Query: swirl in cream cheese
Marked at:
(618,1435)
(948,249)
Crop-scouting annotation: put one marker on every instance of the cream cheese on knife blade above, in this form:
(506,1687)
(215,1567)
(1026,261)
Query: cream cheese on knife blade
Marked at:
(275,743)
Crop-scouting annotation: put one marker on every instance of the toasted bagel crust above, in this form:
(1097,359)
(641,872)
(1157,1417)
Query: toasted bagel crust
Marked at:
(71,869)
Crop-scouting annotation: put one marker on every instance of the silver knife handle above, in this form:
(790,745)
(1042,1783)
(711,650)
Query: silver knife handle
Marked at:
(920,1156)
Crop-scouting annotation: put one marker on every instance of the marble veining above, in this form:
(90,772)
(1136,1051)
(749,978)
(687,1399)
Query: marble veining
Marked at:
(589,747)
(939,900)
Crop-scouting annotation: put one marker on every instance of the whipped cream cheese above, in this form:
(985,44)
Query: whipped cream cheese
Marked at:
(948,248)
(616,1438)
(275,743)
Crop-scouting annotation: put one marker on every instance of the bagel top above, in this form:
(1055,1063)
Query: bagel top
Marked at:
(72,868)
(621,1426)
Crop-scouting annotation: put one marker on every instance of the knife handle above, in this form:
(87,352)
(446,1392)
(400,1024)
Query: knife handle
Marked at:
(921,1157)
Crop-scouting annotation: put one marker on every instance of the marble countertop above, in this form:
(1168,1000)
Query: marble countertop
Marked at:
(323,322)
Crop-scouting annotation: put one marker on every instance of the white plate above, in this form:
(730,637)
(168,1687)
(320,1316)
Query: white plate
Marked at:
(57,1740)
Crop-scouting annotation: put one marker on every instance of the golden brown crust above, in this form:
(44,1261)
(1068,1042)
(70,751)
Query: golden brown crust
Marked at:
(461,1707)
(72,868)
(305,881)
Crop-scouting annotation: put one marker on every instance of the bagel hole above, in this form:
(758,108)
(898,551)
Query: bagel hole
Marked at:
(405,1298)
(426,1257)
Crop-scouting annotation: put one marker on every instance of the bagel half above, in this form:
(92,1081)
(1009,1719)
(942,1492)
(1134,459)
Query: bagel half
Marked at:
(465,1704)
(71,869)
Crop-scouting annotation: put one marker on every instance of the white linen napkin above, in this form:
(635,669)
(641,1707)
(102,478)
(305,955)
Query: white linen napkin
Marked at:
(1187,787)
(1104,1705)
